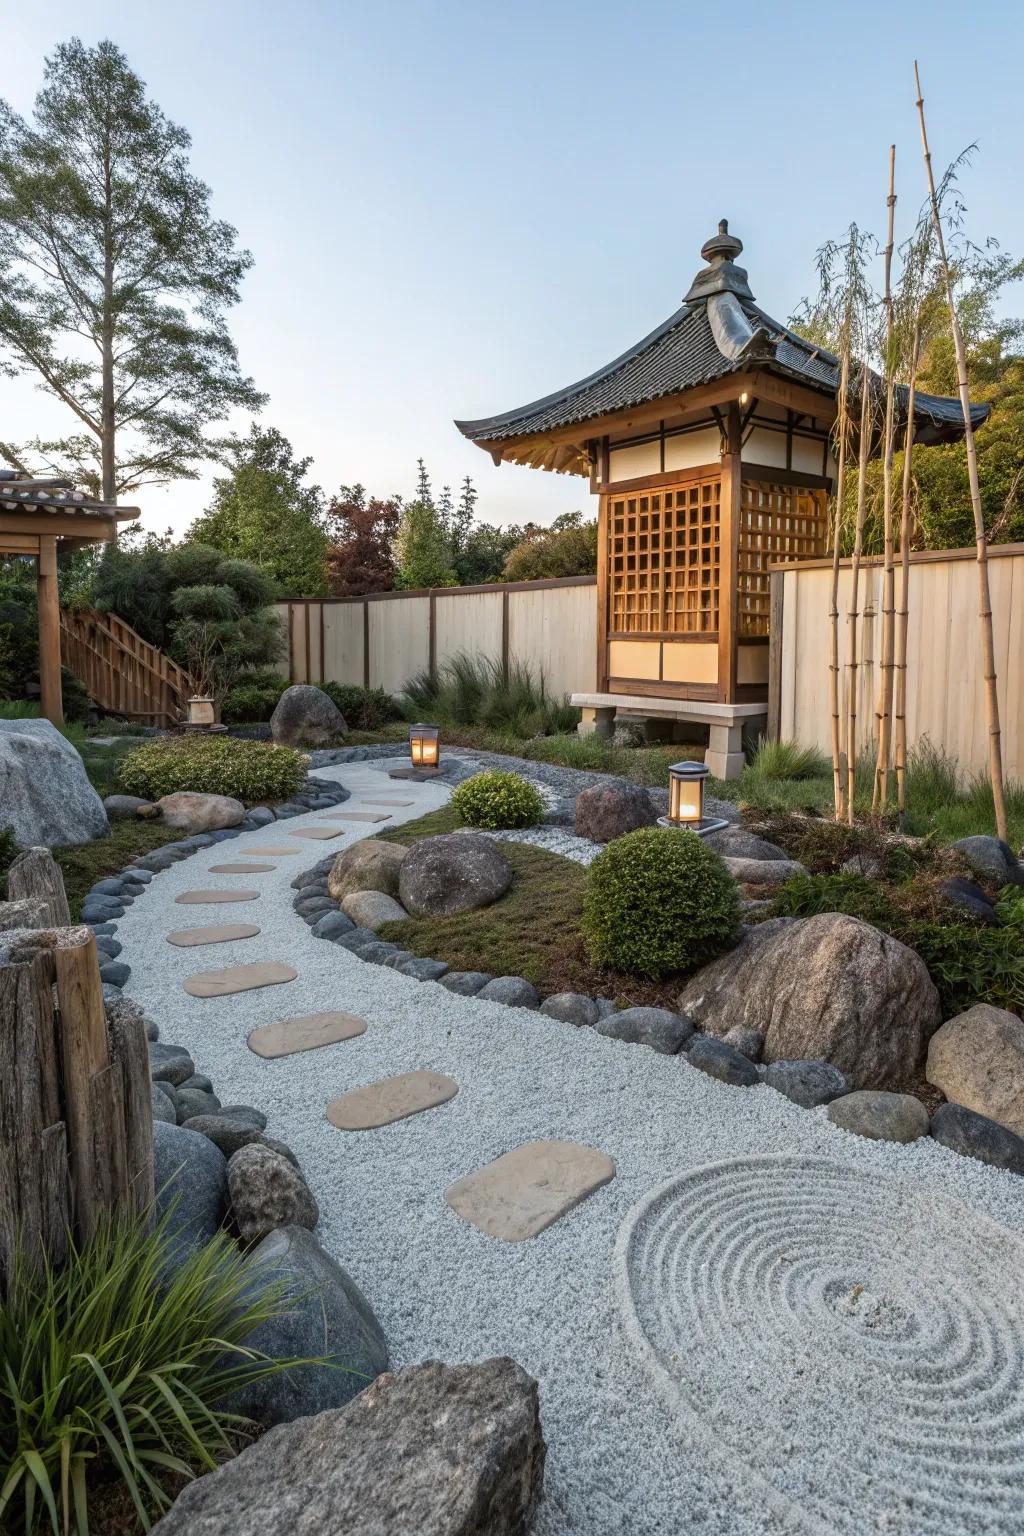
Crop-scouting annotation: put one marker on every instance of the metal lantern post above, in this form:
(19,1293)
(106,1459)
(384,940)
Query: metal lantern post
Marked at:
(424,747)
(686,800)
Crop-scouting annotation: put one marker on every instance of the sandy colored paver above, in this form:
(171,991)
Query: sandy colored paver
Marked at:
(306,1033)
(393,1098)
(356,816)
(317,833)
(217,933)
(213,898)
(528,1189)
(239,978)
(252,868)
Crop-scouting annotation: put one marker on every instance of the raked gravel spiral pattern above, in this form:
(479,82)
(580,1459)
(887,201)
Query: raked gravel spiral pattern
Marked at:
(857,1342)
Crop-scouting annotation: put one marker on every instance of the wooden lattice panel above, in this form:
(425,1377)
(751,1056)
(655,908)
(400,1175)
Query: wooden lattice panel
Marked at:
(778,524)
(663,560)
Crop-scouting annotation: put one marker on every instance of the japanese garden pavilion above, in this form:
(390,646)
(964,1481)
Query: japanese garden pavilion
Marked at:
(709,445)
(34,516)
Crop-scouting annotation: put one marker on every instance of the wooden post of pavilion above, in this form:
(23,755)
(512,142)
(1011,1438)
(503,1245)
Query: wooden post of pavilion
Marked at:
(34,514)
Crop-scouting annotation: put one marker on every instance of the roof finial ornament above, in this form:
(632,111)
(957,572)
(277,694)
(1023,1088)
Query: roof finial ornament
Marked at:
(721,275)
(721,247)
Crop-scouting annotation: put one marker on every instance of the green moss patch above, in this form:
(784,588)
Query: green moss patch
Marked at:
(82,864)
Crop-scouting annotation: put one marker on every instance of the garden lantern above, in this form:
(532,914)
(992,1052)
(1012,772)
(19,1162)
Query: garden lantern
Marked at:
(424,748)
(686,794)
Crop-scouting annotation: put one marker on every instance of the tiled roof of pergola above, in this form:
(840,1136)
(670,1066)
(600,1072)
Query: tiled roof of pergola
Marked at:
(717,330)
(19,493)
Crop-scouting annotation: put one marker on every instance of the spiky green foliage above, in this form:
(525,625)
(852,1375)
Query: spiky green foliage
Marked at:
(113,1370)
(475,690)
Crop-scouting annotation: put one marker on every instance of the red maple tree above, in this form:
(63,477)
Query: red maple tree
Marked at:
(363,530)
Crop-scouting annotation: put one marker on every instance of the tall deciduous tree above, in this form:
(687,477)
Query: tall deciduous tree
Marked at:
(363,530)
(262,512)
(114,275)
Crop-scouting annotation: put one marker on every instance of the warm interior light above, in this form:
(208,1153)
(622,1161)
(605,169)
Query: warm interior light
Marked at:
(744,398)
(424,748)
(686,794)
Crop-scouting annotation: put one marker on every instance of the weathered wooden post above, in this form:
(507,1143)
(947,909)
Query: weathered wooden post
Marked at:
(76,1129)
(35,875)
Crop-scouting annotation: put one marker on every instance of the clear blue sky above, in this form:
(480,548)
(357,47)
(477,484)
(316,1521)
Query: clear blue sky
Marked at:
(456,207)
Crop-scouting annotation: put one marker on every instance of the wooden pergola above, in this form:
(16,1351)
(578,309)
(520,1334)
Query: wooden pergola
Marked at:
(36,515)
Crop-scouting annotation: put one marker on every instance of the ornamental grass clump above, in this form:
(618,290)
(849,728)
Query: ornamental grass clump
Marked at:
(658,900)
(498,800)
(251,771)
(111,1370)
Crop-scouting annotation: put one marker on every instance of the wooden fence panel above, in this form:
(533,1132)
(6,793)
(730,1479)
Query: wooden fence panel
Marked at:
(945,695)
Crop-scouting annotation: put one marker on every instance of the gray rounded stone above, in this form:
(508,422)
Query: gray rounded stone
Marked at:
(513,991)
(736,843)
(331,925)
(170,1063)
(466,983)
(807,1083)
(659,1028)
(125,807)
(974,1135)
(244,1112)
(305,716)
(372,909)
(191,1183)
(607,811)
(195,1101)
(571,1008)
(456,872)
(162,1104)
(377,952)
(421,969)
(749,1042)
(987,856)
(227,1132)
(880,1116)
(267,1192)
(720,1060)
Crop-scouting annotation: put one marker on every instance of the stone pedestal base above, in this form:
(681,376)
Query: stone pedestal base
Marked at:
(417,775)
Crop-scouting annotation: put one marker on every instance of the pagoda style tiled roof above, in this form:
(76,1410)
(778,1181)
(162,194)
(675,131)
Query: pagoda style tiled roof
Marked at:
(717,330)
(19,493)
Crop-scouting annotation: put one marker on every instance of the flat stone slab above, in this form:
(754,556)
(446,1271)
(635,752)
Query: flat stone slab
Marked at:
(218,933)
(520,1194)
(355,816)
(316,833)
(393,1098)
(239,978)
(252,868)
(273,853)
(213,898)
(306,1033)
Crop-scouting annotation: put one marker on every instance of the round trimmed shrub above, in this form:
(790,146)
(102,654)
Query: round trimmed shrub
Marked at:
(251,771)
(498,801)
(658,900)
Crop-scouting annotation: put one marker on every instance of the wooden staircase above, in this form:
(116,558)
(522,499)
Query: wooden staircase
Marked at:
(123,673)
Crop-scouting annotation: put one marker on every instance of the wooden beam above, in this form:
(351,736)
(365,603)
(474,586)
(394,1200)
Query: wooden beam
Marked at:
(49,631)
(728,556)
(603,551)
(62,525)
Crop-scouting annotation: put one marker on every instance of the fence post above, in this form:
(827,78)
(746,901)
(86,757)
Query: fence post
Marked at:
(776,618)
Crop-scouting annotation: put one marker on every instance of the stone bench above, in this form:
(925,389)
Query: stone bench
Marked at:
(725,722)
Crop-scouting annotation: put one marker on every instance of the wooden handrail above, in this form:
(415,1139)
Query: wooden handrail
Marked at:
(123,673)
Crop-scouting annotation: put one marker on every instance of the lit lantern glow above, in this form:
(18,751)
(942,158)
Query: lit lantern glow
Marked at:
(686,794)
(424,747)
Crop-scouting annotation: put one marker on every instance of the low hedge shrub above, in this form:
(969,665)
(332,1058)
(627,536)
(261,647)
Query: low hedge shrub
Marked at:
(253,697)
(251,771)
(365,709)
(498,800)
(658,901)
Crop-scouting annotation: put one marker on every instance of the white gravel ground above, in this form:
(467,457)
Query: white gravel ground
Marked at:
(623,1455)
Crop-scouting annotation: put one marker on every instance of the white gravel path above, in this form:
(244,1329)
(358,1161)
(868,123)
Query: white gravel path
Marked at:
(624,1455)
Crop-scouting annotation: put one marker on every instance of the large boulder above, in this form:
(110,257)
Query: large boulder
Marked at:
(977,1059)
(191,1183)
(45,794)
(452,873)
(188,811)
(829,988)
(607,811)
(267,1193)
(434,1450)
(369,865)
(305,716)
(325,1317)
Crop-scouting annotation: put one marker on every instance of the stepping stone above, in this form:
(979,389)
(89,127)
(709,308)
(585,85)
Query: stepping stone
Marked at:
(393,1098)
(526,1190)
(307,1033)
(241,869)
(239,978)
(317,833)
(355,816)
(213,898)
(221,933)
(273,853)
(383,801)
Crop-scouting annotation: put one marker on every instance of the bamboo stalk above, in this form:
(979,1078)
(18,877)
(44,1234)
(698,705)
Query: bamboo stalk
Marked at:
(883,712)
(995,751)
(842,423)
(903,611)
(852,614)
